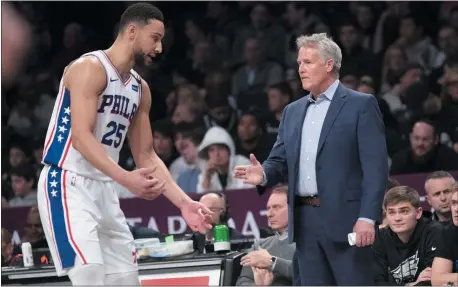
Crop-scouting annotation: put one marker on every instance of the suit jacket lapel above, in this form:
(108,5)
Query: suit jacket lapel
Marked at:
(334,108)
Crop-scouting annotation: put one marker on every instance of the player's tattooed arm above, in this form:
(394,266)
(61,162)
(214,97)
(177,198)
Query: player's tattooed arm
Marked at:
(141,145)
(86,79)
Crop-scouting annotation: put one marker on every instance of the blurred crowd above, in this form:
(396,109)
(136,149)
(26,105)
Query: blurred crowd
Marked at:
(227,72)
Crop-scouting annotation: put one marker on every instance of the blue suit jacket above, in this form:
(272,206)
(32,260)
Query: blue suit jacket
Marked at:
(351,165)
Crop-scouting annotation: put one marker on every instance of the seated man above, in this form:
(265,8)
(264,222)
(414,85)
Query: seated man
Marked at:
(216,202)
(445,264)
(405,249)
(271,264)
(438,187)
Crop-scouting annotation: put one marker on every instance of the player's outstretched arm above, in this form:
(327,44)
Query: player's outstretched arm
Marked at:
(140,137)
(86,79)
(141,144)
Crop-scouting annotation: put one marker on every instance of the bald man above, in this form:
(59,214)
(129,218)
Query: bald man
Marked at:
(216,202)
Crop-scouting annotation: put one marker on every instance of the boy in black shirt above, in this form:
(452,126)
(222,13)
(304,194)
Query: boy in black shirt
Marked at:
(404,250)
(445,266)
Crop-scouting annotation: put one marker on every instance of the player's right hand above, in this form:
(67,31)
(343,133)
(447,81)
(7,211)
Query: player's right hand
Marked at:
(251,174)
(141,183)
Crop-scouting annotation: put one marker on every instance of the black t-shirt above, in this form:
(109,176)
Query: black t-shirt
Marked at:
(449,249)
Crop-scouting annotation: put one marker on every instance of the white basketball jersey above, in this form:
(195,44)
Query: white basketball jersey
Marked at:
(116,108)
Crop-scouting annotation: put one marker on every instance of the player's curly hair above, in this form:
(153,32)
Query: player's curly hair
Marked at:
(140,13)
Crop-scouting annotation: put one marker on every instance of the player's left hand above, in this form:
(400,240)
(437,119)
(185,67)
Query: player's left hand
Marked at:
(197,216)
(365,233)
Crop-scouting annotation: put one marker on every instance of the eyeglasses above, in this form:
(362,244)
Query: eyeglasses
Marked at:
(216,209)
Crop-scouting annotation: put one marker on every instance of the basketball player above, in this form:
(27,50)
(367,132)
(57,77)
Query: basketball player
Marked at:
(101,102)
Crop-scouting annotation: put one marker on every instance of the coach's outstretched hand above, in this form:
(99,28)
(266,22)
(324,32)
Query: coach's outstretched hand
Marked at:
(141,183)
(197,216)
(251,174)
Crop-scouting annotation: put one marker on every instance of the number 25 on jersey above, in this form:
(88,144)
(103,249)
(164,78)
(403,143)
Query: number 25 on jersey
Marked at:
(115,135)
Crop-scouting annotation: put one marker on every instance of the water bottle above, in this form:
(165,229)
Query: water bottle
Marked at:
(27,255)
(221,238)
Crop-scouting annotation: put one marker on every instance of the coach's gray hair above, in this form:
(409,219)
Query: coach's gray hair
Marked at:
(327,48)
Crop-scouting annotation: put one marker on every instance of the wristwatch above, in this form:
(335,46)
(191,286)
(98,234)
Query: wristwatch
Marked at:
(273,259)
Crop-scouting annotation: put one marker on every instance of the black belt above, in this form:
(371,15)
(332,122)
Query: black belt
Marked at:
(307,200)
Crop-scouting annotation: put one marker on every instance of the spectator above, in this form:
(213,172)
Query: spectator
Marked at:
(18,154)
(278,96)
(447,40)
(349,80)
(271,264)
(257,72)
(33,229)
(187,140)
(366,21)
(21,118)
(186,168)
(438,187)
(220,112)
(394,63)
(396,96)
(447,109)
(74,45)
(219,82)
(388,25)
(356,60)
(40,95)
(22,182)
(218,151)
(272,36)
(163,141)
(204,59)
(404,250)
(252,136)
(226,23)
(217,203)
(189,104)
(425,153)
(203,56)
(366,88)
(8,257)
(418,47)
(301,21)
(184,113)
(445,269)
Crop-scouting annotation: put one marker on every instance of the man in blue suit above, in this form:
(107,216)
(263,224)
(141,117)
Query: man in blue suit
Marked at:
(331,145)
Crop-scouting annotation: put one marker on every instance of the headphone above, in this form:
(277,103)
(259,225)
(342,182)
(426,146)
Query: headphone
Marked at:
(224,217)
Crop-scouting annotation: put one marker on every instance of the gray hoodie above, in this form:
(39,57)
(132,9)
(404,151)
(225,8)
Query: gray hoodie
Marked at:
(218,135)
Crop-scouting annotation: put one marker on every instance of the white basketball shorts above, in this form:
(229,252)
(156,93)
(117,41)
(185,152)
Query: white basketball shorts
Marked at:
(82,217)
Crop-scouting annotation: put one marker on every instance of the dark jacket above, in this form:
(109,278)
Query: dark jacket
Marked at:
(440,158)
(398,263)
